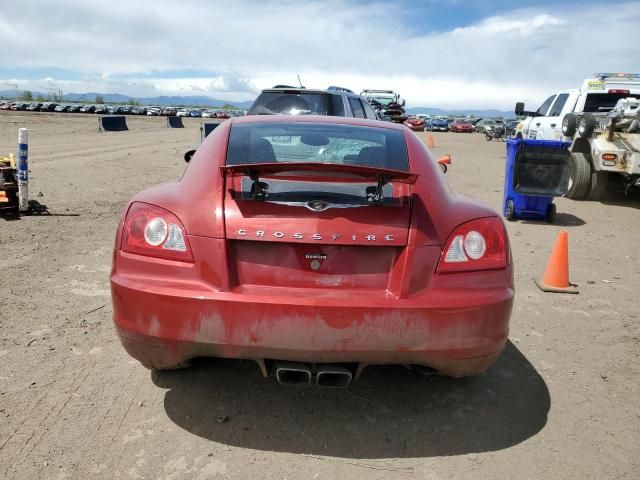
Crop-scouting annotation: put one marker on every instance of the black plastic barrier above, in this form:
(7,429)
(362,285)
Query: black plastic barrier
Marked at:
(206,129)
(175,122)
(112,123)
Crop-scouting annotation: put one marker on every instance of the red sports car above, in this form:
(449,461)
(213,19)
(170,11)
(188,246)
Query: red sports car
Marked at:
(416,124)
(461,126)
(315,246)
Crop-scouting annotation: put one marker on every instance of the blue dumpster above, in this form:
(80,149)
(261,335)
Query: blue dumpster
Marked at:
(536,171)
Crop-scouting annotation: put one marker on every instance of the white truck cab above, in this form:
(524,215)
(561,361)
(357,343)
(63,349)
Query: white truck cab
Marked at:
(600,120)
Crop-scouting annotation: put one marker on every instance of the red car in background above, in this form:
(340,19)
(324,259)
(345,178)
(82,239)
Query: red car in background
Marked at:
(461,126)
(315,246)
(416,124)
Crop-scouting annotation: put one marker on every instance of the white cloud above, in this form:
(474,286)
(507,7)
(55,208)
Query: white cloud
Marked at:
(120,46)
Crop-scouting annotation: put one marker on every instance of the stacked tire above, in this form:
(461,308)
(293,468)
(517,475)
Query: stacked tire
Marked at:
(586,182)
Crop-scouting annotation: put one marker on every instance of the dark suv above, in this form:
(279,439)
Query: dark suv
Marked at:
(334,101)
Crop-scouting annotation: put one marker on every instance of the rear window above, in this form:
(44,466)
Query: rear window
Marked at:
(292,103)
(603,102)
(309,142)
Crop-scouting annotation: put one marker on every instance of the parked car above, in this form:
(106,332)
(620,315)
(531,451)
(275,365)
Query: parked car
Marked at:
(334,243)
(334,101)
(438,125)
(88,109)
(6,106)
(34,107)
(195,113)
(169,112)
(153,111)
(481,124)
(49,107)
(209,114)
(19,106)
(75,108)
(62,108)
(461,126)
(183,112)
(414,123)
(101,109)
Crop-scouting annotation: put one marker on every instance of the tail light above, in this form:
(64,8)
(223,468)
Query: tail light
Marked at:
(155,232)
(476,245)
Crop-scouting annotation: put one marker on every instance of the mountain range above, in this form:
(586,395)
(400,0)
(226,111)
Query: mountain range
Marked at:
(202,100)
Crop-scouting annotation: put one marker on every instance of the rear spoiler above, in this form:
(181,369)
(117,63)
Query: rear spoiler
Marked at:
(300,170)
(317,172)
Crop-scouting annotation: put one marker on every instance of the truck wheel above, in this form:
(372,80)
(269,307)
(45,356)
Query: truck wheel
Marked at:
(587,125)
(551,213)
(569,125)
(487,137)
(598,186)
(580,176)
(510,211)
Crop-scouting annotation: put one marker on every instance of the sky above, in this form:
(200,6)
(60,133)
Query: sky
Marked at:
(435,53)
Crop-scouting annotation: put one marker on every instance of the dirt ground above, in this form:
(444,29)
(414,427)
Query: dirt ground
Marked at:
(563,401)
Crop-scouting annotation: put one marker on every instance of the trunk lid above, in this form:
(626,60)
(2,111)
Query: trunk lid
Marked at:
(316,225)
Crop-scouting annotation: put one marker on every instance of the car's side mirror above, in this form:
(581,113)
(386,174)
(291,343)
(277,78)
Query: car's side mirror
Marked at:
(519,110)
(443,162)
(188,155)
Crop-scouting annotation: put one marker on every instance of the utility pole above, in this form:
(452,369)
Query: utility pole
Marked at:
(55,94)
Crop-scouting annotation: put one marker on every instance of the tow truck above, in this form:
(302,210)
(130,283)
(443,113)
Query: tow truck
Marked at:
(387,104)
(601,120)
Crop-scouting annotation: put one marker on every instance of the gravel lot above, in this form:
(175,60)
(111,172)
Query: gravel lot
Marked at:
(563,401)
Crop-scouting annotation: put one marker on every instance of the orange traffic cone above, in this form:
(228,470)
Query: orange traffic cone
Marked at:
(430,142)
(556,276)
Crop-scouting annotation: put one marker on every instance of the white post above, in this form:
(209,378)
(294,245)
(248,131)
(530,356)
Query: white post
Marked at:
(23,170)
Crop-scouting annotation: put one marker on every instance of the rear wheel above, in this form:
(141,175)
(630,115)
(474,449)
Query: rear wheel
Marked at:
(177,366)
(580,176)
(598,187)
(551,213)
(569,125)
(487,137)
(587,125)
(510,211)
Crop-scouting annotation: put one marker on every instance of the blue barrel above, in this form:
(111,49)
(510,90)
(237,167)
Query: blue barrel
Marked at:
(536,171)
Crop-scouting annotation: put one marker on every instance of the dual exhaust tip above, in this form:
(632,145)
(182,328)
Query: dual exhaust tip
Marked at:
(291,373)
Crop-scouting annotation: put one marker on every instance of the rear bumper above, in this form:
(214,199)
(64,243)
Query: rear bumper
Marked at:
(458,332)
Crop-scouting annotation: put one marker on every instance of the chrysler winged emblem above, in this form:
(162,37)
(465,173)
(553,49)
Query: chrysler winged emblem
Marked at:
(317,205)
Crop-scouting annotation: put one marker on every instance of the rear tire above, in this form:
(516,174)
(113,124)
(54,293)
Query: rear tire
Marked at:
(487,137)
(551,213)
(569,125)
(178,366)
(587,125)
(580,172)
(510,211)
(598,188)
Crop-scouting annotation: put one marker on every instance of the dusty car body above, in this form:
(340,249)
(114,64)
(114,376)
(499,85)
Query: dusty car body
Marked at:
(322,277)
(416,124)
(461,126)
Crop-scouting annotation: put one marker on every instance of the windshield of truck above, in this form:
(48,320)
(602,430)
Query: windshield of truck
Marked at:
(383,100)
(604,102)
